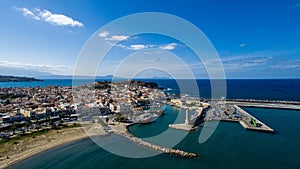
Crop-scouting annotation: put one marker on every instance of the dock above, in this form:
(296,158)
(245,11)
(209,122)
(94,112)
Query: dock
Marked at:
(231,111)
(170,151)
(185,127)
(244,121)
(188,125)
(266,105)
(122,130)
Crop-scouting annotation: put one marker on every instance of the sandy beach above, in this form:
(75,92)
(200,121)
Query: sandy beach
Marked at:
(21,149)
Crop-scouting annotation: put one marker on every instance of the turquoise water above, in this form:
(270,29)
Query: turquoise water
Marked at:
(231,146)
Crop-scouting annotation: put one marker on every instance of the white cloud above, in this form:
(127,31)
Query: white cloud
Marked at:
(59,19)
(138,47)
(49,17)
(103,34)
(240,62)
(117,38)
(131,47)
(169,46)
(287,64)
(243,45)
(260,60)
(54,69)
(26,12)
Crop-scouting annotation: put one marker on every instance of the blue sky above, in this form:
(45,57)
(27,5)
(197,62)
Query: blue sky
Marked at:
(254,38)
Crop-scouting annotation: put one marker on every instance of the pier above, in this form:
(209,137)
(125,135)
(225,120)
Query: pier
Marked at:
(184,126)
(188,125)
(244,121)
(122,129)
(159,148)
(266,105)
(233,113)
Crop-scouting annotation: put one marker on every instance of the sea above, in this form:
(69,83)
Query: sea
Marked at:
(229,147)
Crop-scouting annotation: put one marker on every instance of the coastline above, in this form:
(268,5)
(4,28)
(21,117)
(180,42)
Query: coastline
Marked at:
(75,141)
(56,138)
(28,147)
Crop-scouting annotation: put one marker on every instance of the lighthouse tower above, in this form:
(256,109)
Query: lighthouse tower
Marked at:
(187,117)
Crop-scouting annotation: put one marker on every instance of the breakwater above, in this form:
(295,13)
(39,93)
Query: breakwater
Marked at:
(245,122)
(170,151)
(277,105)
(263,101)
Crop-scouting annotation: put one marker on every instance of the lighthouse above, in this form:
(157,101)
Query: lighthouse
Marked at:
(187,117)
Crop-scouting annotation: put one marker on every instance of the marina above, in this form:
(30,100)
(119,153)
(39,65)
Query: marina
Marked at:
(234,113)
(220,110)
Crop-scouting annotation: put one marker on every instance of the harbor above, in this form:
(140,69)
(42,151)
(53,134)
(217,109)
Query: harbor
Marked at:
(122,130)
(220,110)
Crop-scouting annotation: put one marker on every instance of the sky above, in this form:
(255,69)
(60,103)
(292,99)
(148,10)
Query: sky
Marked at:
(253,38)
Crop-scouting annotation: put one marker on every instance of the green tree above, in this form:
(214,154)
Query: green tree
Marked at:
(27,125)
(119,117)
(14,127)
(37,123)
(47,120)
(52,124)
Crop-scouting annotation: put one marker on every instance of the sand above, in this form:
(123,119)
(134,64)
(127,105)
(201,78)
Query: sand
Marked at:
(30,146)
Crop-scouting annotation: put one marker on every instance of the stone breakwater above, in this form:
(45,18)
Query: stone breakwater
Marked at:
(159,148)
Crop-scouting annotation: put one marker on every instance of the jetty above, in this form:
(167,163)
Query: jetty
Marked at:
(190,122)
(246,119)
(187,126)
(170,151)
(234,113)
(271,105)
(122,130)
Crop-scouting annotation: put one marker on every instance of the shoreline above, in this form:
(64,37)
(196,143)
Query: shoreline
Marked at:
(29,147)
(51,148)
(77,134)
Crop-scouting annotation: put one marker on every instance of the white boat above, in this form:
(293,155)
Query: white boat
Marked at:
(148,117)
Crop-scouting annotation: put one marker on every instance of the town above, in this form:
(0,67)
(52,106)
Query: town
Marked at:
(29,109)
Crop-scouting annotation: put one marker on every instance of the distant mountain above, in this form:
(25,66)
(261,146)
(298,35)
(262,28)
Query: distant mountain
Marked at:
(22,72)
(77,77)
(17,79)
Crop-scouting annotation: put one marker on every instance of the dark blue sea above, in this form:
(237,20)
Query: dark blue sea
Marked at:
(229,147)
(259,89)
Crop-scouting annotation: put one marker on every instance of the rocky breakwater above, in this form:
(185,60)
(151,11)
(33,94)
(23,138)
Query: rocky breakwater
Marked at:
(159,148)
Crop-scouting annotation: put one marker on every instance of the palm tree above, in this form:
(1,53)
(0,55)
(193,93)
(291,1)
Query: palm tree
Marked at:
(47,120)
(14,127)
(37,124)
(52,124)
(27,126)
